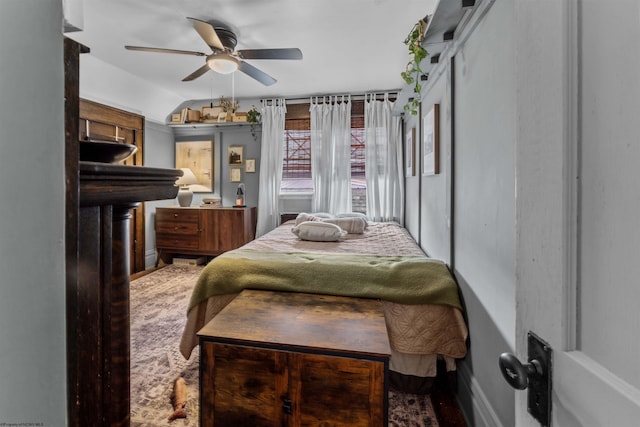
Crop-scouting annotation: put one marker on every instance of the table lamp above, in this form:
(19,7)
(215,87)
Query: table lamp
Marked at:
(184,193)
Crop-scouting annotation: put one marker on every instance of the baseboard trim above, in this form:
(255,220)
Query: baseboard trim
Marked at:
(483,413)
(150,258)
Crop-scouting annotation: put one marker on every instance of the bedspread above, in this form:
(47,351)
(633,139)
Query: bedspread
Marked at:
(417,329)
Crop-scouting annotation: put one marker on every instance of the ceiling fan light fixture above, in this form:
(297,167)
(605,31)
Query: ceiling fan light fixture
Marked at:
(222,63)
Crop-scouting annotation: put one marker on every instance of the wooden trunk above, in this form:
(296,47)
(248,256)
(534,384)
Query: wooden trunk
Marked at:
(288,359)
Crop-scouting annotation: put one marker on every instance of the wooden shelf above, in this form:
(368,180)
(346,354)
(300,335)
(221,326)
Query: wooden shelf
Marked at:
(212,125)
(441,30)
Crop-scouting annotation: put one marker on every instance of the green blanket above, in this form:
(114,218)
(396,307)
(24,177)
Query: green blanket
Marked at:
(404,280)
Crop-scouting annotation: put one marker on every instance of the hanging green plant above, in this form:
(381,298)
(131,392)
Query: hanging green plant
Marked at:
(253,118)
(412,73)
(253,115)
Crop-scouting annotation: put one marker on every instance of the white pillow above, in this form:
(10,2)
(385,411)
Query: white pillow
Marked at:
(323,215)
(354,224)
(354,215)
(318,231)
(302,217)
(351,215)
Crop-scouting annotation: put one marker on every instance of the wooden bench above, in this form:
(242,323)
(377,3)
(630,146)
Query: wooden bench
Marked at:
(291,359)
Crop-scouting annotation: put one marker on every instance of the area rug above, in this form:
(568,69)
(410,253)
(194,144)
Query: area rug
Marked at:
(159,303)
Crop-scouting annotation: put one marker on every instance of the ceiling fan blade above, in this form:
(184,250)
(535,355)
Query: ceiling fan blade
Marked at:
(197,73)
(161,50)
(208,33)
(287,53)
(253,72)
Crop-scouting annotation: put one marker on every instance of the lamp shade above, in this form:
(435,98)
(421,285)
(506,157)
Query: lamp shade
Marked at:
(187,178)
(222,63)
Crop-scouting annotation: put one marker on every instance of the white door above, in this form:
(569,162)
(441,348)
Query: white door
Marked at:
(578,204)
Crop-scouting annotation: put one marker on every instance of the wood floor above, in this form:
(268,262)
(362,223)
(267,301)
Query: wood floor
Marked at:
(444,400)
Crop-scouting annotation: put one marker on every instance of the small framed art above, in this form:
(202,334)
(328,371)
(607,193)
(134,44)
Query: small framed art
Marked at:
(250,165)
(410,152)
(234,174)
(198,157)
(431,141)
(234,154)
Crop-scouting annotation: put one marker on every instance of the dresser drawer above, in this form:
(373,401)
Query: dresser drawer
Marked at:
(177,215)
(174,227)
(176,241)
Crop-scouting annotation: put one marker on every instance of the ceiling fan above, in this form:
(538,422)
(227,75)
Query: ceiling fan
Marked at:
(224,59)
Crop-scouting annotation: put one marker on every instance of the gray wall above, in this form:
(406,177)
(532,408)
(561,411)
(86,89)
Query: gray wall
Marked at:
(223,137)
(412,183)
(32,230)
(485,201)
(159,152)
(483,218)
(434,189)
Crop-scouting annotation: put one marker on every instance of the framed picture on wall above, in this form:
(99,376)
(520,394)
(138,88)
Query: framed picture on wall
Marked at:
(431,141)
(197,156)
(250,165)
(234,174)
(410,152)
(234,154)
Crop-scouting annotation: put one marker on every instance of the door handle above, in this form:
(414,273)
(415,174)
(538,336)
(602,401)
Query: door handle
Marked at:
(516,373)
(535,375)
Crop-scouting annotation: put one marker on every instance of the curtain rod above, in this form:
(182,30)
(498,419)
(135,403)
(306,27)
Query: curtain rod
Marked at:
(354,97)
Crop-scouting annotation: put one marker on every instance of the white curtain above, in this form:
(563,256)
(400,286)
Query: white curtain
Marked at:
(273,114)
(383,161)
(331,153)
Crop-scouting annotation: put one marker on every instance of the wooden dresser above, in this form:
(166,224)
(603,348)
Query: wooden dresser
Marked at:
(202,231)
(291,359)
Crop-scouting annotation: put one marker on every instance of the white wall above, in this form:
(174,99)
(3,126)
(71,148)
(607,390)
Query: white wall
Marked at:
(412,183)
(435,211)
(32,275)
(484,200)
(107,84)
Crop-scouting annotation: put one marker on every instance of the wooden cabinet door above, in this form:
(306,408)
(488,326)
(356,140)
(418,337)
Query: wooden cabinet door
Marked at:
(246,386)
(242,386)
(336,391)
(231,230)
(226,229)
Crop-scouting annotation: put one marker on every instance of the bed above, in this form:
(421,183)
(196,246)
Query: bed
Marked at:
(424,316)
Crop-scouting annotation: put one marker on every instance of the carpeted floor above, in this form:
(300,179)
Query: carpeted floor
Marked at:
(159,302)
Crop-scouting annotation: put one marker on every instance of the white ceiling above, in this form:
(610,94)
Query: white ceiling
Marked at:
(349,46)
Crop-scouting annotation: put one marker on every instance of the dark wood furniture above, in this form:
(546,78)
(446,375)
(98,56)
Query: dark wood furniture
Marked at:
(290,359)
(287,216)
(106,123)
(99,199)
(202,231)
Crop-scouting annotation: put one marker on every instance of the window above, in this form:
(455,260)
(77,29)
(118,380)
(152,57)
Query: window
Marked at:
(296,155)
